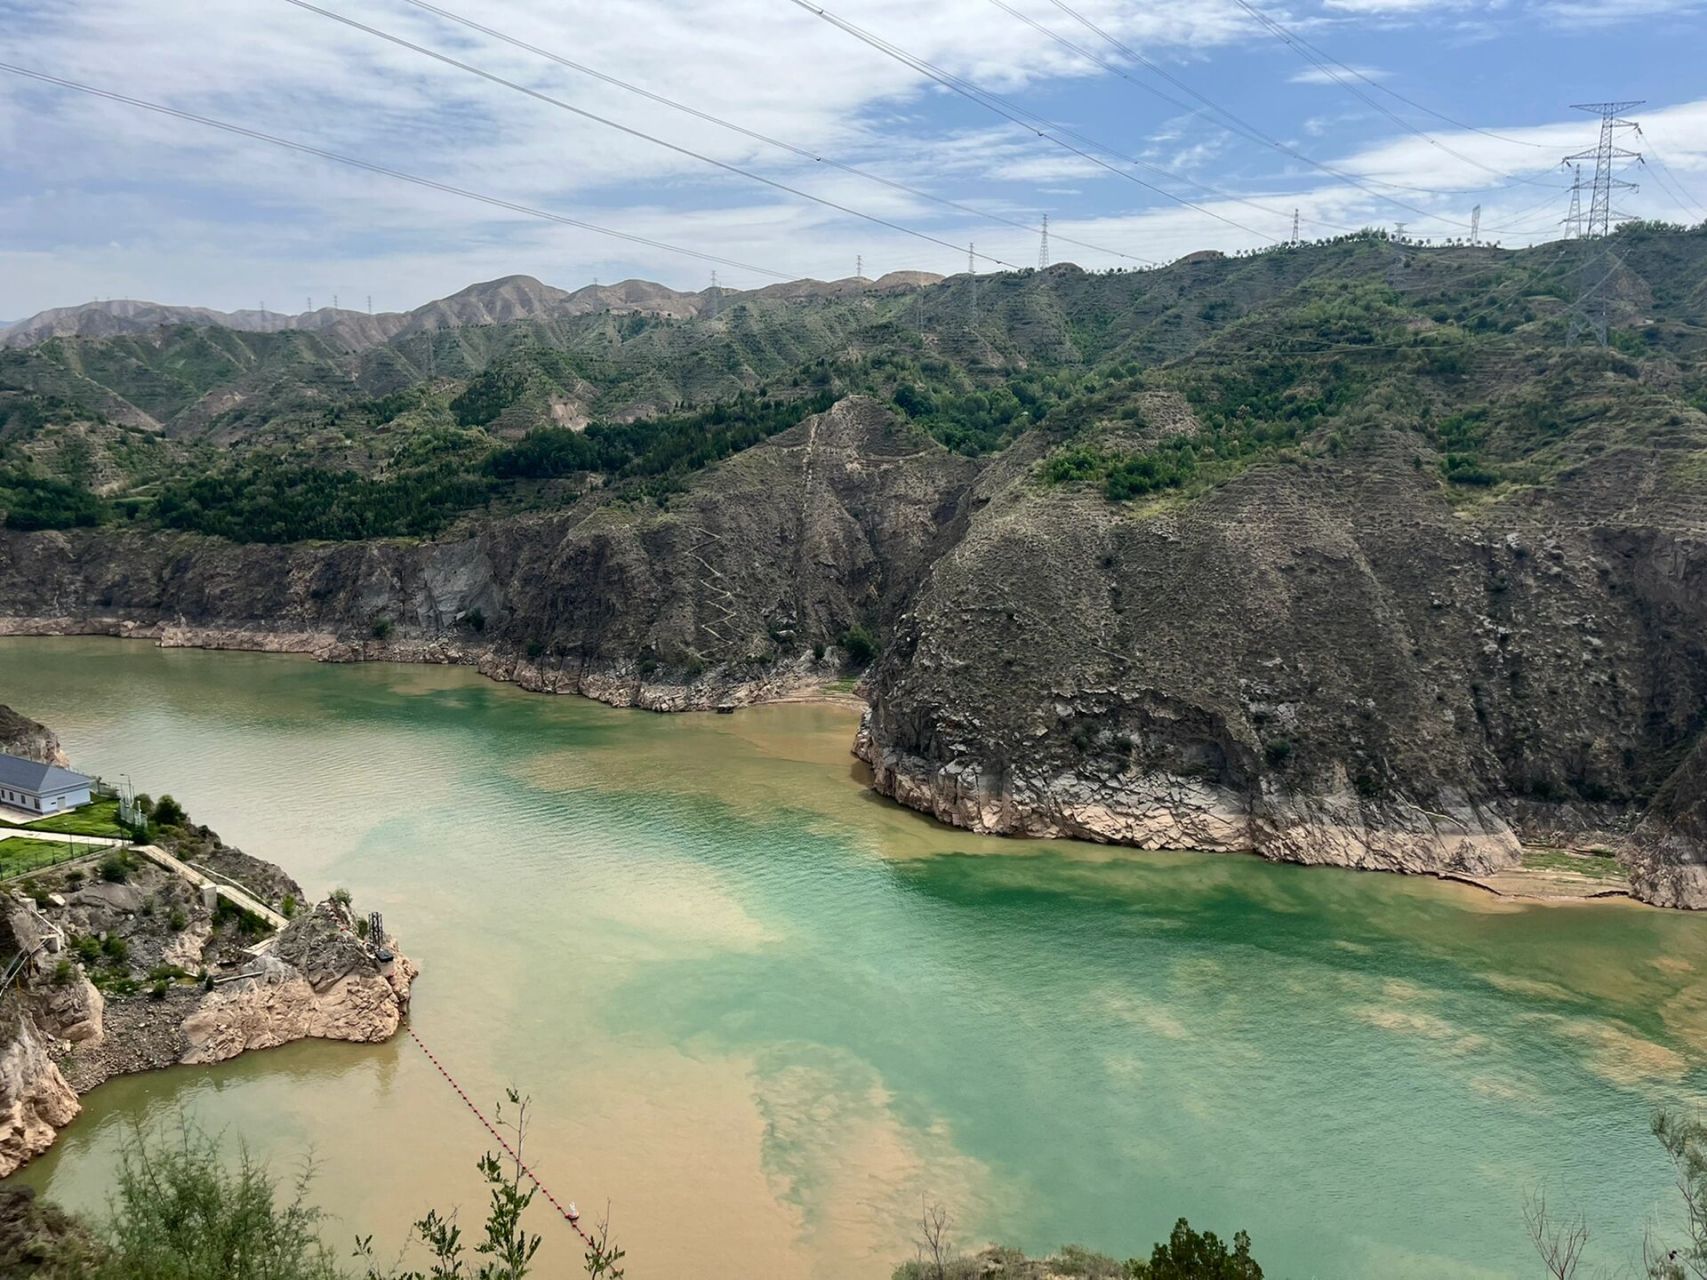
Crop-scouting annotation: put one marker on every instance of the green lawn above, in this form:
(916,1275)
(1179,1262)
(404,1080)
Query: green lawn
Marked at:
(19,854)
(100,818)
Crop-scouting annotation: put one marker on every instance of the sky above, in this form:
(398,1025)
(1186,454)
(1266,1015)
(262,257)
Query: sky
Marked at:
(1187,124)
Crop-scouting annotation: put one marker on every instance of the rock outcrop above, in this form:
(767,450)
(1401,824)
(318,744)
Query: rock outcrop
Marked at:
(21,736)
(319,981)
(35,1100)
(228,990)
(1667,854)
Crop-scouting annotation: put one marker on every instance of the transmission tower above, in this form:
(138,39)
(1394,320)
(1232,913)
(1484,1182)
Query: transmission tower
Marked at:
(713,292)
(1476,225)
(972,271)
(1601,214)
(1574,219)
(1399,232)
(370,304)
(1295,227)
(1043,246)
(334,302)
(859,266)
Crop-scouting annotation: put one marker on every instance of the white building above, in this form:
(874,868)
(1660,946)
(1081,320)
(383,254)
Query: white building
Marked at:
(41,788)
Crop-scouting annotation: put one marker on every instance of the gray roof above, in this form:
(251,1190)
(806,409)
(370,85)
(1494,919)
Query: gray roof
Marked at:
(42,779)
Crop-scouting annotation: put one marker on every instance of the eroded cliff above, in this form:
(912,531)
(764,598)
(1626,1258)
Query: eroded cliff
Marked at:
(1329,657)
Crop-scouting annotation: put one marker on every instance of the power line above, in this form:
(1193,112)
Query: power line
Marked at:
(431,184)
(631,131)
(1017,115)
(1242,126)
(805,153)
(1326,63)
(1247,131)
(1676,185)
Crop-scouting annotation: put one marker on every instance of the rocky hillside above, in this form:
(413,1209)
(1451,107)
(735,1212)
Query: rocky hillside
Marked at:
(128,966)
(1345,554)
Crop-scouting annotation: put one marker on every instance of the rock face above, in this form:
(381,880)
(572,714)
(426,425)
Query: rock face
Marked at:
(719,597)
(35,1100)
(21,736)
(319,981)
(1667,855)
(1327,660)
(1322,663)
(59,1037)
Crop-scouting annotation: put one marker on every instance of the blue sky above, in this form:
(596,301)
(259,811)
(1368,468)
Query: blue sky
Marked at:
(102,200)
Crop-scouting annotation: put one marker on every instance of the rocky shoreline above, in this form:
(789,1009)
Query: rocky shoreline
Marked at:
(1479,845)
(72,1024)
(132,960)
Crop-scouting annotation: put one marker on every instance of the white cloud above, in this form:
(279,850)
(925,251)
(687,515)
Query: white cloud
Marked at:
(1320,75)
(100,200)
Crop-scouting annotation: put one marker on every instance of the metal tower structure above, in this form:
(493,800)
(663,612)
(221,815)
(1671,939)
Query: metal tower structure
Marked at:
(1574,219)
(1295,226)
(859,266)
(972,271)
(1476,225)
(1601,214)
(1043,246)
(713,292)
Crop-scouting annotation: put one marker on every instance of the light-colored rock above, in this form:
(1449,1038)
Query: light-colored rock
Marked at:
(35,1100)
(319,981)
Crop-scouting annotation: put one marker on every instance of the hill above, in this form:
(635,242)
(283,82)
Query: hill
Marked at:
(1342,553)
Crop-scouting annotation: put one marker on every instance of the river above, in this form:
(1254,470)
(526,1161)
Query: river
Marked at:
(763,1013)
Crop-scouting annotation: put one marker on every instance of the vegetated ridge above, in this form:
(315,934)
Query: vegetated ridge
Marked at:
(1338,553)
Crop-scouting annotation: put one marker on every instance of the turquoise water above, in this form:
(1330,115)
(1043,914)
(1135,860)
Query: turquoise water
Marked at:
(764,1013)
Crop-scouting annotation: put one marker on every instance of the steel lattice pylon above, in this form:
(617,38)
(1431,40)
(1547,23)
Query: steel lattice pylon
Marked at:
(1601,214)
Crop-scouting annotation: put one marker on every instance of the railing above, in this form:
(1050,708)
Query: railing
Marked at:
(72,853)
(16,967)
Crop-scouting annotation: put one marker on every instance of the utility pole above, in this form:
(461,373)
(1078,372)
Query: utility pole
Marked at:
(1601,214)
(1043,246)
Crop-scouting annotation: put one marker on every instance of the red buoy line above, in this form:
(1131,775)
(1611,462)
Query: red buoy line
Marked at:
(568,1215)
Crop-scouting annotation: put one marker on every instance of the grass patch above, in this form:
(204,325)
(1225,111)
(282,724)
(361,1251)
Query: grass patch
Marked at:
(845,685)
(100,818)
(1582,864)
(21,854)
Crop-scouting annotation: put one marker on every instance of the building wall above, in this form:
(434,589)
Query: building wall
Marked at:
(53,802)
